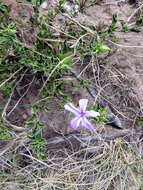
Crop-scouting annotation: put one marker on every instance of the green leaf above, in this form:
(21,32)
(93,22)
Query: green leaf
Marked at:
(4,133)
(66,60)
(139,21)
(102,48)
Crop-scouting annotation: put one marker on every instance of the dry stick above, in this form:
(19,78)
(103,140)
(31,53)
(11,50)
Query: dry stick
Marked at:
(29,85)
(11,143)
(4,82)
(131,170)
(134,13)
(54,40)
(138,56)
(124,46)
(16,128)
(77,41)
(60,31)
(7,147)
(83,139)
(89,89)
(84,69)
(5,163)
(39,161)
(83,3)
(79,24)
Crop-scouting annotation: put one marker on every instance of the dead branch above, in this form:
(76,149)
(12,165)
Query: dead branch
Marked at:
(83,140)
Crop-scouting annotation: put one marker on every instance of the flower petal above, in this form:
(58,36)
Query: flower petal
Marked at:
(92,113)
(87,124)
(75,122)
(83,104)
(71,108)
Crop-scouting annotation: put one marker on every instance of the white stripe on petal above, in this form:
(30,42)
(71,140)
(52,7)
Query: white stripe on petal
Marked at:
(83,104)
(92,114)
(87,124)
(71,108)
(75,123)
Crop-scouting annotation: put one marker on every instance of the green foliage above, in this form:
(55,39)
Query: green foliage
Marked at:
(139,122)
(35,3)
(93,2)
(139,21)
(95,46)
(102,119)
(7,88)
(52,88)
(4,133)
(113,27)
(101,47)
(37,142)
(4,11)
(52,59)
(66,60)
(85,83)
(125,27)
(7,34)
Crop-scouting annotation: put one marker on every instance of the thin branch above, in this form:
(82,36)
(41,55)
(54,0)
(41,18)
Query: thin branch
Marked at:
(83,139)
(79,24)
(4,82)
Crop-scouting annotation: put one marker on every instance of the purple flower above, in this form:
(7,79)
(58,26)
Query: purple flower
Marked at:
(81,115)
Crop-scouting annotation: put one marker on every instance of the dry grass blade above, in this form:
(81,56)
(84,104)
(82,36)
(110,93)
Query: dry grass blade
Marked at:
(115,167)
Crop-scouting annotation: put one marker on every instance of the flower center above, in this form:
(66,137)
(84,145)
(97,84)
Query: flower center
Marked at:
(82,114)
